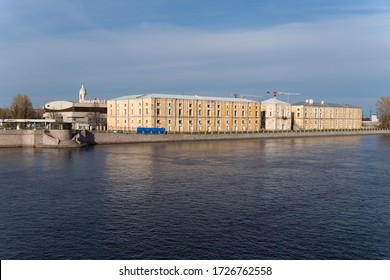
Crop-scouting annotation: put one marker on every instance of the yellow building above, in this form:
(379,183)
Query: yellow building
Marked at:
(183,113)
(310,115)
(276,115)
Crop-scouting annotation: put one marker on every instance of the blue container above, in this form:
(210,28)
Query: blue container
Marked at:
(150,130)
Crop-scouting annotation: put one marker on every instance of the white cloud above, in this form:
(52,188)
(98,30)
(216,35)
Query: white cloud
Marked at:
(349,53)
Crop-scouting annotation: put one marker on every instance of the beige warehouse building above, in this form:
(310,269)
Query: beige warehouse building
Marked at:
(276,114)
(183,113)
(311,115)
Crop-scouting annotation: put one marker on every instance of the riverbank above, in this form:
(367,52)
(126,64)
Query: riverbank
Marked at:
(122,138)
(64,138)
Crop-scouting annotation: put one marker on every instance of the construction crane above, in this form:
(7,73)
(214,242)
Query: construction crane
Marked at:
(238,95)
(276,93)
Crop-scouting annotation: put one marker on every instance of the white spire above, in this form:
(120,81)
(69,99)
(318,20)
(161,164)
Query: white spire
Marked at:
(82,93)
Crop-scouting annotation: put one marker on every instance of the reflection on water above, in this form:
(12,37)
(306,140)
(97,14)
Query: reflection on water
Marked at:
(300,198)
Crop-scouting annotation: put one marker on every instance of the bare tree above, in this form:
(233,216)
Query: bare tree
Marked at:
(5,113)
(38,113)
(21,107)
(383,111)
(94,118)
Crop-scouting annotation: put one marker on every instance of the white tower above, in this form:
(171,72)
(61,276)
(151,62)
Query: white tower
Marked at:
(82,93)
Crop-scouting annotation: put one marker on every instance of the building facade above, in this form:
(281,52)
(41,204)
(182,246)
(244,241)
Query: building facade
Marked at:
(276,115)
(183,113)
(311,115)
(85,114)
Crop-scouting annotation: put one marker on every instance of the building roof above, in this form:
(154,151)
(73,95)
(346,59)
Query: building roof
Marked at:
(324,104)
(186,97)
(273,101)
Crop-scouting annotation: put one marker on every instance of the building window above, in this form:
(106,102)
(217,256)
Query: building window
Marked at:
(208,113)
(190,112)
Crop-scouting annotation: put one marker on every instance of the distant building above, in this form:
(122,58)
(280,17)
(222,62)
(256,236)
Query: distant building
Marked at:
(374,118)
(276,114)
(183,113)
(311,115)
(85,114)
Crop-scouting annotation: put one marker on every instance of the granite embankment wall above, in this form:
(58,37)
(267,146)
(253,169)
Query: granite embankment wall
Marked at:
(36,138)
(116,138)
(62,138)
(21,138)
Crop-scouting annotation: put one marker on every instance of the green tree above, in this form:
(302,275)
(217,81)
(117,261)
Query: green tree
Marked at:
(383,111)
(21,107)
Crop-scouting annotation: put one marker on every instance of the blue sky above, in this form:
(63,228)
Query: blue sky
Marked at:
(336,51)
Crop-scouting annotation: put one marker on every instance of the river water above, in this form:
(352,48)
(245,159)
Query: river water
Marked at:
(298,198)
